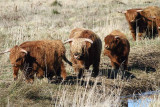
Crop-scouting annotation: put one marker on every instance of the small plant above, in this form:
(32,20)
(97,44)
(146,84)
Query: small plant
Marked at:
(55,11)
(56,3)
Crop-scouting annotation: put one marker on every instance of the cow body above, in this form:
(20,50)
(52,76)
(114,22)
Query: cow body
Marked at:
(117,48)
(85,50)
(140,22)
(43,58)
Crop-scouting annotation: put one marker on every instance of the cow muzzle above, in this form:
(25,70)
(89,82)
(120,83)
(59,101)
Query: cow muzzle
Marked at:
(76,57)
(106,47)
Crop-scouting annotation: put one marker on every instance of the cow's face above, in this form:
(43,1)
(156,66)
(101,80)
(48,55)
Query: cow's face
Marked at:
(132,15)
(78,48)
(17,56)
(111,42)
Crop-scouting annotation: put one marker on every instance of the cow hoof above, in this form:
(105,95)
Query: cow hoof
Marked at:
(15,78)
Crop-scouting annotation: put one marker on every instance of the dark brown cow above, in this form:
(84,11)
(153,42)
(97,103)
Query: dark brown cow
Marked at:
(85,48)
(140,22)
(43,58)
(117,48)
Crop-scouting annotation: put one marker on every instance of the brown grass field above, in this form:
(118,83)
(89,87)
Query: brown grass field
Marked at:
(27,20)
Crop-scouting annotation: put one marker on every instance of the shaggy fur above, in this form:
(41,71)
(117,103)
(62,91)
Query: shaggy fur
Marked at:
(83,53)
(139,19)
(117,48)
(43,58)
(158,24)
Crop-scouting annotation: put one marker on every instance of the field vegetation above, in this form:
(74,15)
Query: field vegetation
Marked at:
(27,20)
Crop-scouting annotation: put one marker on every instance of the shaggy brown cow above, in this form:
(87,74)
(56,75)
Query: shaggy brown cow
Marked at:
(43,58)
(140,23)
(117,48)
(157,19)
(85,48)
(158,24)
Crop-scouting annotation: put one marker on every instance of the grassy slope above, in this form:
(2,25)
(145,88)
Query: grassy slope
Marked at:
(24,20)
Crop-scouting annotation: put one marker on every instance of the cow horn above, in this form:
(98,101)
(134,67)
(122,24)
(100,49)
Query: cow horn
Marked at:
(116,37)
(159,27)
(139,10)
(5,51)
(122,11)
(69,40)
(88,40)
(22,50)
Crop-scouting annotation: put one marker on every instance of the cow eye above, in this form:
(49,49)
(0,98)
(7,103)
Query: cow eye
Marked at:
(76,54)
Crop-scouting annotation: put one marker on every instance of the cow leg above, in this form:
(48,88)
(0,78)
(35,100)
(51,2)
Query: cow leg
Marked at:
(80,73)
(133,35)
(126,63)
(30,79)
(63,71)
(140,36)
(115,65)
(15,72)
(29,75)
(40,74)
(95,71)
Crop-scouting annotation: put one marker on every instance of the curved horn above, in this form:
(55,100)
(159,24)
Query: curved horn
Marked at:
(88,40)
(122,11)
(116,37)
(140,10)
(22,50)
(159,27)
(5,51)
(69,40)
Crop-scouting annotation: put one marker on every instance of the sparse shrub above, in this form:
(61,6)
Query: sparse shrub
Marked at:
(55,11)
(56,3)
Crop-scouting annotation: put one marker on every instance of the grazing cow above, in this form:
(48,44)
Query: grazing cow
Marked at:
(43,58)
(85,48)
(139,21)
(117,48)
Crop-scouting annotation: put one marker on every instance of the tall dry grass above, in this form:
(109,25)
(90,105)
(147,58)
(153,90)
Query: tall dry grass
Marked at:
(26,20)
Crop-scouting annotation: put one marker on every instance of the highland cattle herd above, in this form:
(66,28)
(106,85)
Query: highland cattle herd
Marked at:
(45,58)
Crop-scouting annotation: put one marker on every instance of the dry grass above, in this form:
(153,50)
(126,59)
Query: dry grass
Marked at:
(23,20)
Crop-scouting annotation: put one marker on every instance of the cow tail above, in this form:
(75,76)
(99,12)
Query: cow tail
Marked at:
(66,60)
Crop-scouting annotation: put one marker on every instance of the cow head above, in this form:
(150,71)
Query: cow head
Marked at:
(111,42)
(79,46)
(17,55)
(132,15)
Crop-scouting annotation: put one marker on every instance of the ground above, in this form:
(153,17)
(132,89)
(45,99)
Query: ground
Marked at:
(26,20)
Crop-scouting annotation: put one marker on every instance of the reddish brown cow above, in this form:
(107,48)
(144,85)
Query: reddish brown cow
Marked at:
(43,58)
(139,21)
(157,18)
(117,48)
(85,50)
